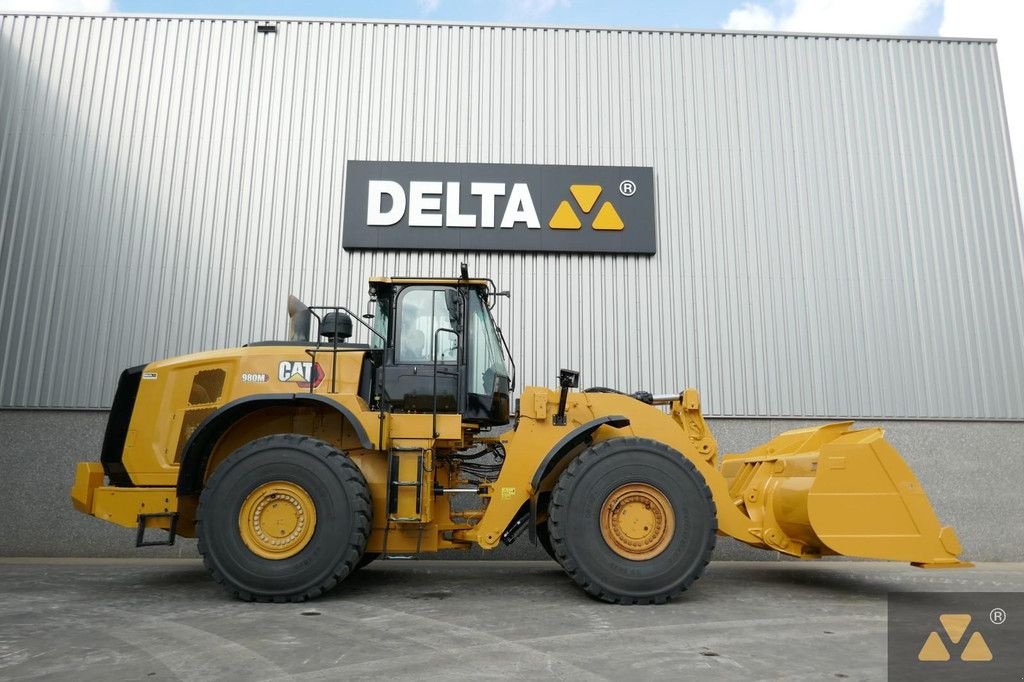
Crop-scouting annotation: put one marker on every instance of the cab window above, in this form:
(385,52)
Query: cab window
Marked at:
(380,324)
(421,312)
(486,363)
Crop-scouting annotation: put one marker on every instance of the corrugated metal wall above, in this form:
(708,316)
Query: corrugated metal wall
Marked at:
(839,233)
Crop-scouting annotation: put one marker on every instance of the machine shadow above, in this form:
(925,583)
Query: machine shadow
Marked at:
(472,579)
(476,580)
(809,579)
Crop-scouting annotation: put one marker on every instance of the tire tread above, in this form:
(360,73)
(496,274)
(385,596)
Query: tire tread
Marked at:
(559,505)
(351,478)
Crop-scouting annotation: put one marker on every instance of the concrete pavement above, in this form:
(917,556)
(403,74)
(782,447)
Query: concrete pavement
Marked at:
(165,620)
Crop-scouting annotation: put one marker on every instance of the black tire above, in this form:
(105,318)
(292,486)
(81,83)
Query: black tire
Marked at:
(342,503)
(574,521)
(544,539)
(366,559)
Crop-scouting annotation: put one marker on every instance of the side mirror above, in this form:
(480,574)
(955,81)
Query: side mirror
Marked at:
(336,326)
(567,378)
(453,301)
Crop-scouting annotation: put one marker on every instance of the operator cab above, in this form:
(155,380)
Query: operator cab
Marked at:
(440,348)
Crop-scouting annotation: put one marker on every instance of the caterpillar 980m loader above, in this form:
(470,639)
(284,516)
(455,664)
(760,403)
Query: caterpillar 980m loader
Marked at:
(296,462)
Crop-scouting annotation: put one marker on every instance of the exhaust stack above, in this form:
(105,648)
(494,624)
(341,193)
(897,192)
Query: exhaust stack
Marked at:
(299,320)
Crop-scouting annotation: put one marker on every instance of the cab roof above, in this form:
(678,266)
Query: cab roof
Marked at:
(446,281)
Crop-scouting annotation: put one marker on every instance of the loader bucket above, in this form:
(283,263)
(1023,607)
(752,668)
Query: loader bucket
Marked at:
(837,490)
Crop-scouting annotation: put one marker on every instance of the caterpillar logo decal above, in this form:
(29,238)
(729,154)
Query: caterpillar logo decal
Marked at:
(955,625)
(305,374)
(499,207)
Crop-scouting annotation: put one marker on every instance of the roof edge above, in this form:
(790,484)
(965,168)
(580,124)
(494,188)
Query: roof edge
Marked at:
(475,24)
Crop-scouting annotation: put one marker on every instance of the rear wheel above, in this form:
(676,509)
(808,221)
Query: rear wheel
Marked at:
(632,521)
(283,518)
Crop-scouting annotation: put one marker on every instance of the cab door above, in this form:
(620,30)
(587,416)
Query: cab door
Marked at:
(425,360)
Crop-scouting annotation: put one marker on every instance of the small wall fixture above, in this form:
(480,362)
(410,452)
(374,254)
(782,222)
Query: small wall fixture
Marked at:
(266,28)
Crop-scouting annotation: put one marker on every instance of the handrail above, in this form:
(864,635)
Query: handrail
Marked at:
(334,341)
(457,344)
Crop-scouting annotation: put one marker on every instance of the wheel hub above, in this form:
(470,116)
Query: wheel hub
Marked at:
(277,520)
(637,521)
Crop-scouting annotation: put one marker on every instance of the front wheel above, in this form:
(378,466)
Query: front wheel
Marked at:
(544,539)
(283,518)
(632,521)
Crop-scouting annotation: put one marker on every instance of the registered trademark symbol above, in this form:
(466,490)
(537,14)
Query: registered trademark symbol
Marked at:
(627,188)
(997,616)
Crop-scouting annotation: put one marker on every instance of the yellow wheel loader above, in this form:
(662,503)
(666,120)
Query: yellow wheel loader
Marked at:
(296,462)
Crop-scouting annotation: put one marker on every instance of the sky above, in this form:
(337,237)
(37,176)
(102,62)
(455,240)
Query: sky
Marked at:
(635,13)
(1000,19)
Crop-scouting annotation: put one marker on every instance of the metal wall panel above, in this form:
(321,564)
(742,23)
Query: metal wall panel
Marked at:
(838,228)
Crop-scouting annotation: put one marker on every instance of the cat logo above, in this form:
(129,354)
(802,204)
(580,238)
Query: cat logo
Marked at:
(300,372)
(955,625)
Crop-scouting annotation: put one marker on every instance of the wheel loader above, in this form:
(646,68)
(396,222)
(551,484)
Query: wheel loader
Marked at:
(296,462)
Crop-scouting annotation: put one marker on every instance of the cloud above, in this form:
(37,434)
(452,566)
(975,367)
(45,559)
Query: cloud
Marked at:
(428,6)
(960,18)
(60,6)
(532,10)
(1003,21)
(752,17)
(831,16)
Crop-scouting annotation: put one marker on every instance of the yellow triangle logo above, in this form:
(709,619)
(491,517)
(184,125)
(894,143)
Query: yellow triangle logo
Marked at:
(586,195)
(564,218)
(933,649)
(608,218)
(955,625)
(976,649)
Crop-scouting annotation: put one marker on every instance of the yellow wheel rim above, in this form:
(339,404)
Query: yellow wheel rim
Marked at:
(637,521)
(277,520)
